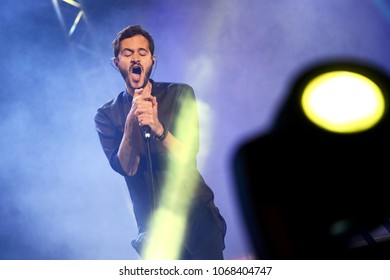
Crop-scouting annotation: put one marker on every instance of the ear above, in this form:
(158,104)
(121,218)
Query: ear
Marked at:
(154,59)
(116,61)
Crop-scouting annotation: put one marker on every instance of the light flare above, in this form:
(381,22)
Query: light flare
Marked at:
(168,223)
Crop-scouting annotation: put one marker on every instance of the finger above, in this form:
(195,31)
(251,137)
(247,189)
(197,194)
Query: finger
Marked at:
(138,91)
(153,99)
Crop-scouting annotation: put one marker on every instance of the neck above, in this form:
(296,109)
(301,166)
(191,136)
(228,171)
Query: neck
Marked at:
(130,91)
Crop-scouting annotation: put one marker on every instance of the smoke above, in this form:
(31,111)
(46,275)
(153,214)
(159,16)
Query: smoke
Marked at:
(59,199)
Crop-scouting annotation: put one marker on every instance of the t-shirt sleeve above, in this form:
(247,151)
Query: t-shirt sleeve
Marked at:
(109,138)
(186,127)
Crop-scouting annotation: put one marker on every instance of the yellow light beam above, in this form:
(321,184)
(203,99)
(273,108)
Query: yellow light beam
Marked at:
(168,224)
(73,3)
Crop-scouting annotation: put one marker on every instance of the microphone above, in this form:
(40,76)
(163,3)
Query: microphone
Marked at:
(147,133)
(146,128)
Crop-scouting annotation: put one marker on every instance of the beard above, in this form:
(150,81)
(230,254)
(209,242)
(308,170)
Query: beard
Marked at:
(148,72)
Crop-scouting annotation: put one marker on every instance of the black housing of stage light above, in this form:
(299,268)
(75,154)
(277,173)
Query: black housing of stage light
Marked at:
(307,192)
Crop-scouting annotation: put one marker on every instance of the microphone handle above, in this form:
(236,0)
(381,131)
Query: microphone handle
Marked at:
(147,132)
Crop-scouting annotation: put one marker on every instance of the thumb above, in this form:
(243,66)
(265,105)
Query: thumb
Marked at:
(154,101)
(138,90)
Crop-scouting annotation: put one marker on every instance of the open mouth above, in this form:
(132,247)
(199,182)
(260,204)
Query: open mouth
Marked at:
(136,73)
(136,70)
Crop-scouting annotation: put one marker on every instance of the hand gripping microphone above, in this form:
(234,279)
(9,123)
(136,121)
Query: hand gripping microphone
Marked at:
(146,130)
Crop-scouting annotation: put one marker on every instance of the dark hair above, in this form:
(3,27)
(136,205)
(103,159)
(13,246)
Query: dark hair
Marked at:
(129,32)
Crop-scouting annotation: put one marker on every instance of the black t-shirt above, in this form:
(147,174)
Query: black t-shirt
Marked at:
(177,111)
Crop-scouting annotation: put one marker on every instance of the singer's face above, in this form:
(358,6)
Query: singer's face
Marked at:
(135,62)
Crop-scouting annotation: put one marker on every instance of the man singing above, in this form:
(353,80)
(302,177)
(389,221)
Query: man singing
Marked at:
(149,133)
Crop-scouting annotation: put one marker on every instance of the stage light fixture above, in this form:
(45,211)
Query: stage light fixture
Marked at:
(314,181)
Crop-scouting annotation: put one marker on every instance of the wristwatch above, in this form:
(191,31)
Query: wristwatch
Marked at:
(163,135)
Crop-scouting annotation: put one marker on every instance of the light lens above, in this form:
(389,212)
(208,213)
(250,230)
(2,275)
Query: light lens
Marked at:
(343,102)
